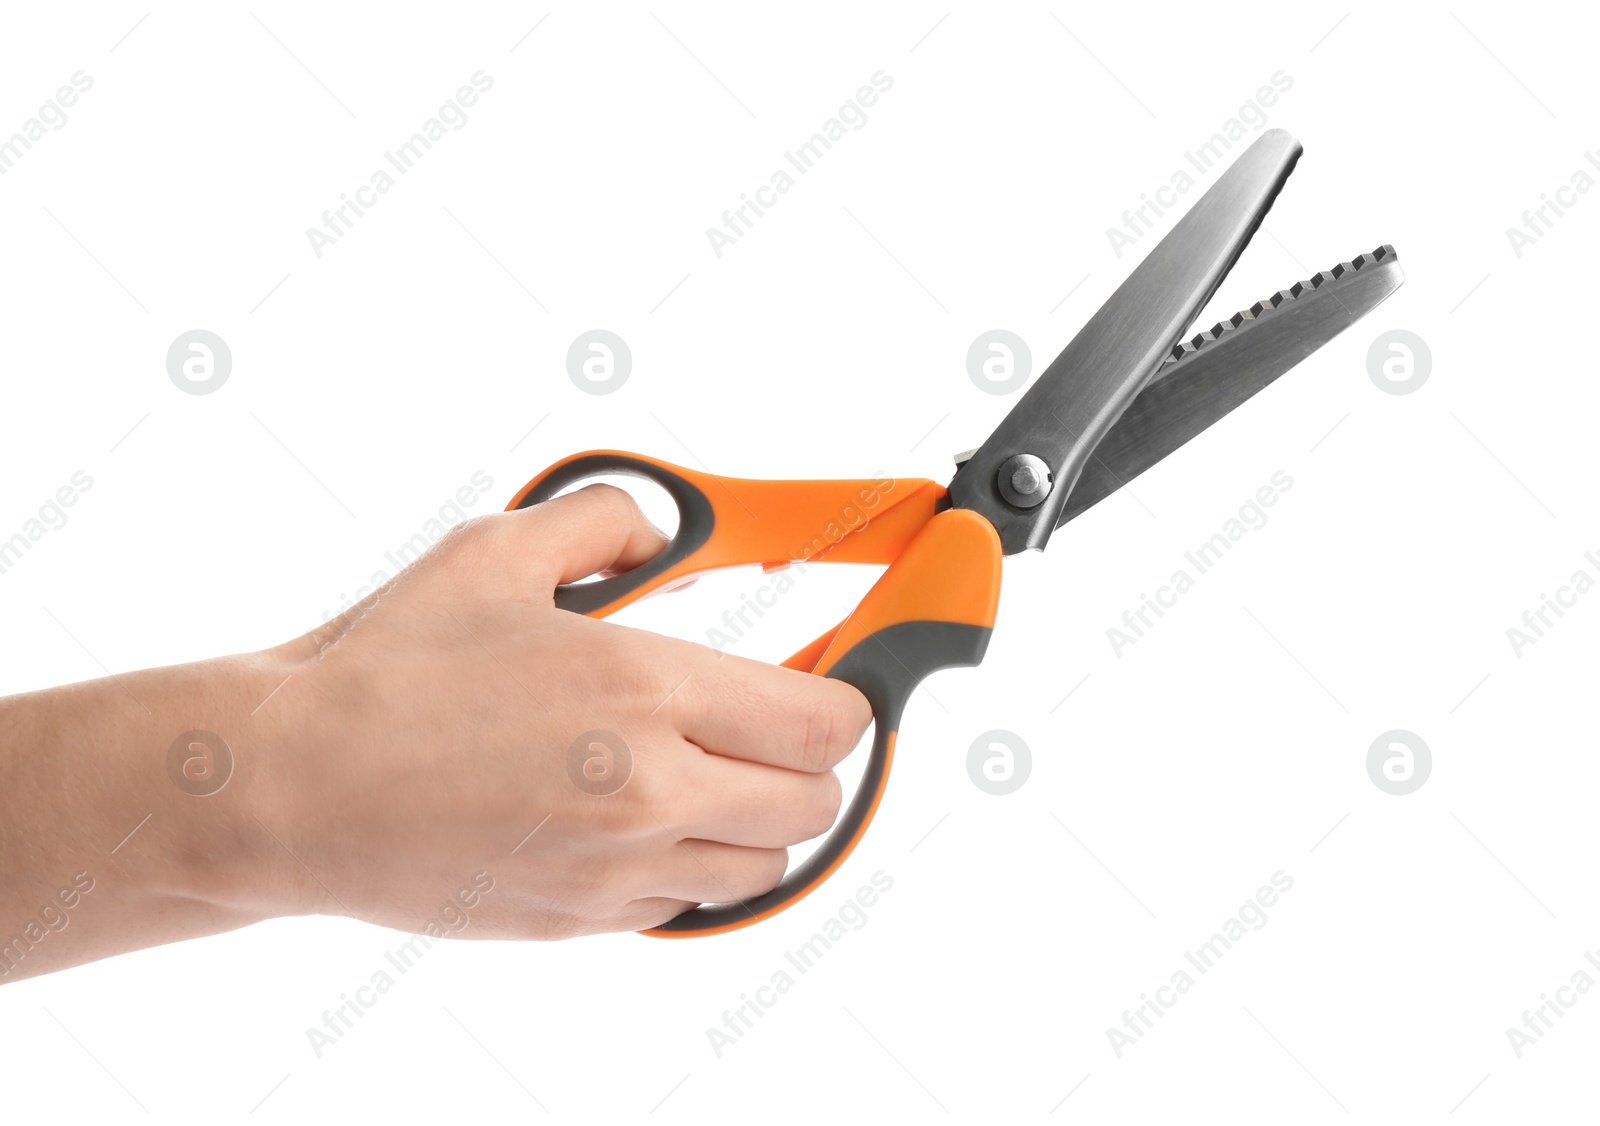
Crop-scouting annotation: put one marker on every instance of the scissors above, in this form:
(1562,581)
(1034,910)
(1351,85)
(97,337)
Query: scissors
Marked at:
(1127,391)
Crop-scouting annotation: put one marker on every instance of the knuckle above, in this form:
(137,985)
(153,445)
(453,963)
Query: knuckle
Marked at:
(634,809)
(744,873)
(474,530)
(661,806)
(614,799)
(650,668)
(614,816)
(766,871)
(616,502)
(633,663)
(831,733)
(817,743)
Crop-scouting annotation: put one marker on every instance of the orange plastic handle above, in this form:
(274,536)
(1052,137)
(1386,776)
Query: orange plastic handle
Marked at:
(733,521)
(933,608)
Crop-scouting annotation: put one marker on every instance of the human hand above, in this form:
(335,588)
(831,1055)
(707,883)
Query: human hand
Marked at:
(423,746)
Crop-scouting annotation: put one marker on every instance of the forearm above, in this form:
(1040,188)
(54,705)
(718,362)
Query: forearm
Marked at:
(112,841)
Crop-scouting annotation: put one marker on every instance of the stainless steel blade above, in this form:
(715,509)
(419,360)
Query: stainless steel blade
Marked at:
(1206,377)
(1080,396)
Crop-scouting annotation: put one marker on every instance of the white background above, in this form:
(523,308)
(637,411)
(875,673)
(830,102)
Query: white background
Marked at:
(1228,744)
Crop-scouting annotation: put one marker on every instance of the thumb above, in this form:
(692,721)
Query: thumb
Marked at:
(598,529)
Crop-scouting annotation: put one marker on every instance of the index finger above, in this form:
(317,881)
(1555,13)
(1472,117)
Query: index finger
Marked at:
(768,714)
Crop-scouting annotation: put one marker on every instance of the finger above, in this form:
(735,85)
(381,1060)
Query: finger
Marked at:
(712,872)
(599,528)
(768,714)
(754,805)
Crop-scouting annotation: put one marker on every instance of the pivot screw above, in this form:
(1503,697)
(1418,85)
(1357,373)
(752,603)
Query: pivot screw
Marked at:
(1024,480)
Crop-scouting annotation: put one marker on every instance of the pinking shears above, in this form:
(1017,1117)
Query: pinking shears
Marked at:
(1129,389)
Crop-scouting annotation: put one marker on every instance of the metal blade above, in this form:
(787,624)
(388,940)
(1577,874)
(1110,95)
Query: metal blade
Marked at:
(1205,378)
(1064,415)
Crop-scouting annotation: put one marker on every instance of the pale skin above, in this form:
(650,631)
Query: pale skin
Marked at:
(391,763)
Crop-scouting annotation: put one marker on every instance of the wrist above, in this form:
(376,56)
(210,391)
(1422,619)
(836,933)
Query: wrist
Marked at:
(145,808)
(220,824)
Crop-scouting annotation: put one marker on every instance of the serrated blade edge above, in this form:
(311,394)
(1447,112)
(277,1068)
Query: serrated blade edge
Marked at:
(1208,376)
(1265,308)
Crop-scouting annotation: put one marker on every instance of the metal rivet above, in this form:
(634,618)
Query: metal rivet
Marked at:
(1024,480)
